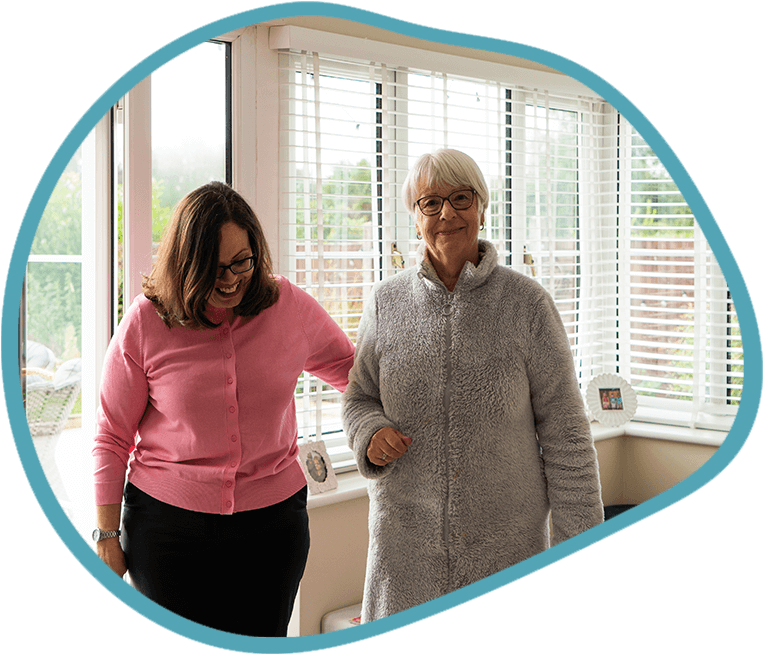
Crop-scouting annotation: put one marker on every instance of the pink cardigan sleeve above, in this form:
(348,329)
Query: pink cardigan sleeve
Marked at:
(124,395)
(331,352)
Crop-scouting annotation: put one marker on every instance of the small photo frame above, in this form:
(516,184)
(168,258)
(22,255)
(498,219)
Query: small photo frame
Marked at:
(611,400)
(317,467)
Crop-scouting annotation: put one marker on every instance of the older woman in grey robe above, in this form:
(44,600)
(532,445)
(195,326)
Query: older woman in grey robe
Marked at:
(463,408)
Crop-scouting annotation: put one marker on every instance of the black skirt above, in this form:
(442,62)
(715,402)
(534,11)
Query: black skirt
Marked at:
(238,573)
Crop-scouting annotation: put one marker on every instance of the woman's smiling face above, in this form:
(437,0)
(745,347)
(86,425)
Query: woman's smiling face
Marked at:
(230,288)
(451,235)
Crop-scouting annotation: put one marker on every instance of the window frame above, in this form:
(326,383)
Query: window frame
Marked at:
(604,318)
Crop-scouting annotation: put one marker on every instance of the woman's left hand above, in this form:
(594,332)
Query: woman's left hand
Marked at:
(387,445)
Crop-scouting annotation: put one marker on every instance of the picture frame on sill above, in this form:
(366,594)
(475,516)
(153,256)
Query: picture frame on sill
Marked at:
(611,400)
(317,467)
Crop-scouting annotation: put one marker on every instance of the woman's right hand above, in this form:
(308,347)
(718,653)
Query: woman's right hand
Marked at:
(110,551)
(386,445)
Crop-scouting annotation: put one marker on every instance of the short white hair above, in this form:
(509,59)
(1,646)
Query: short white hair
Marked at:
(445,166)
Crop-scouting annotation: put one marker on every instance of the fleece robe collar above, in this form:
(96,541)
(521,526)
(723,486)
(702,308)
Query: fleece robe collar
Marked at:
(470,277)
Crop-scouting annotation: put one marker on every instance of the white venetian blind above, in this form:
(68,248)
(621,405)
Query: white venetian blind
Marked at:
(563,181)
(561,176)
(331,165)
(349,132)
(683,349)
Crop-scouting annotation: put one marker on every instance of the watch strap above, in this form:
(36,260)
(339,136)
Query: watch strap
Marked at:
(100,535)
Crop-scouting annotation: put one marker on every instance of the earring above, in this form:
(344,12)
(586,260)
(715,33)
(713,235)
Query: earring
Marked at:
(481,227)
(420,236)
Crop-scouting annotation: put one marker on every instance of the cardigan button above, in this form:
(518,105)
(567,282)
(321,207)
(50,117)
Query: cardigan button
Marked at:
(232,409)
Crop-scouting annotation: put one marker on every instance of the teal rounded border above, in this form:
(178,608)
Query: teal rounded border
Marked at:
(12,297)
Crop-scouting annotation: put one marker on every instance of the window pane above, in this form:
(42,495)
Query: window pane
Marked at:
(558,191)
(188,127)
(331,210)
(684,336)
(53,298)
(551,246)
(662,280)
(343,168)
(53,370)
(54,306)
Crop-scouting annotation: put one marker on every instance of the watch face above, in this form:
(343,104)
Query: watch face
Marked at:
(96,534)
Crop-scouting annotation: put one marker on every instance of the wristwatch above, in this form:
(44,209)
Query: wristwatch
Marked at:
(99,534)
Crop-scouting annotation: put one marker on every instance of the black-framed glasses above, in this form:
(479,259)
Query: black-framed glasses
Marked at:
(237,267)
(460,199)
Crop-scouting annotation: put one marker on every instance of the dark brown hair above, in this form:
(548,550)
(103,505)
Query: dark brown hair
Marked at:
(184,274)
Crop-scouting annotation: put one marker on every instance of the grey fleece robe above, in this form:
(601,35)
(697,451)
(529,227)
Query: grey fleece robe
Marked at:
(482,380)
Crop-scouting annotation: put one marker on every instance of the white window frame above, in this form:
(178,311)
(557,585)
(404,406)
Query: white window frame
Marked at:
(250,146)
(600,317)
(94,260)
(97,263)
(710,321)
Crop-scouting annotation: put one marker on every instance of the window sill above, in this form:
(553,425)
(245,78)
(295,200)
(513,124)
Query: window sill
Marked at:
(352,485)
(659,431)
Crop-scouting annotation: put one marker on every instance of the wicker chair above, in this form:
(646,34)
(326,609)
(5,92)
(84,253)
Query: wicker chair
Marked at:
(50,395)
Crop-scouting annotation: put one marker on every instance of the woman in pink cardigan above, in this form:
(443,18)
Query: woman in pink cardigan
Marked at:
(198,383)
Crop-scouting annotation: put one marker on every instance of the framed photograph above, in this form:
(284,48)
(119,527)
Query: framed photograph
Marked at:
(317,467)
(611,400)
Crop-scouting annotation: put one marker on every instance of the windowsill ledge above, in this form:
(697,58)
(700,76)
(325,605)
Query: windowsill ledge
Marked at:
(352,485)
(659,431)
